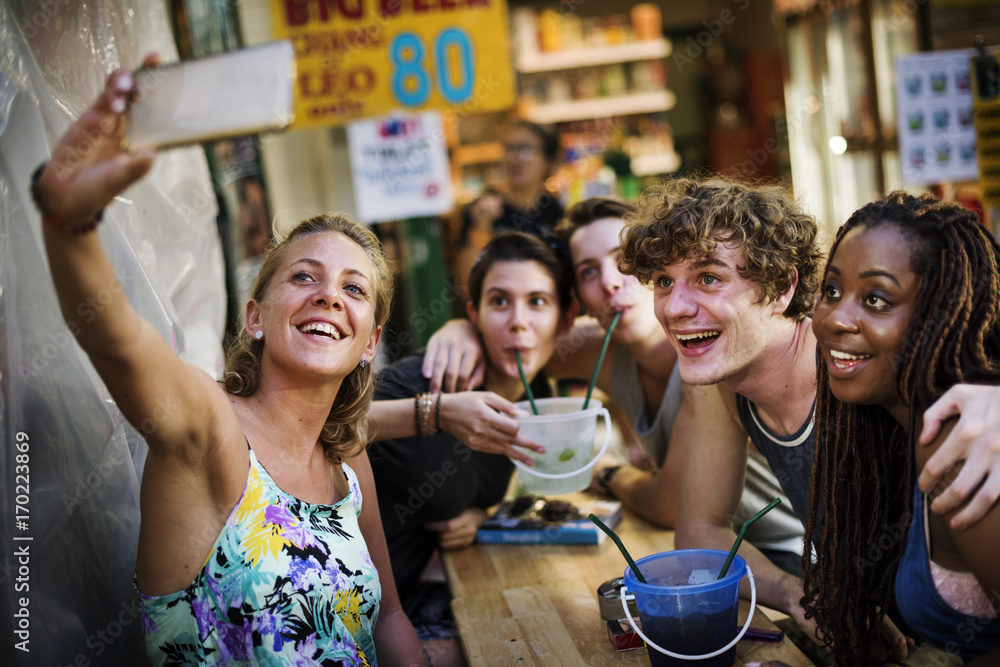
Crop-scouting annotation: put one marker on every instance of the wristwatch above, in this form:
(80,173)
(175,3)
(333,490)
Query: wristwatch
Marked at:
(605,476)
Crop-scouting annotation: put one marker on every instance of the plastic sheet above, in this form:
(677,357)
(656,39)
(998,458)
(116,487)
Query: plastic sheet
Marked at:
(79,501)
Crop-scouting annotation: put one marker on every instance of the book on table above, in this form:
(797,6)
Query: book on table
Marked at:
(538,520)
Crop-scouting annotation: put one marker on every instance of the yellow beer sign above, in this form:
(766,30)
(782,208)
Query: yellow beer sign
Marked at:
(364,58)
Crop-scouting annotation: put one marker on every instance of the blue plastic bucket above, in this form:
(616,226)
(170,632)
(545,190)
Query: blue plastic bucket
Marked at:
(689,623)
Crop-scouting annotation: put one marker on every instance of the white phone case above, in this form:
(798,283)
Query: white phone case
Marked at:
(238,93)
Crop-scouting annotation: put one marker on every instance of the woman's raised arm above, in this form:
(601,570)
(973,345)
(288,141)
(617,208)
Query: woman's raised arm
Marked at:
(169,401)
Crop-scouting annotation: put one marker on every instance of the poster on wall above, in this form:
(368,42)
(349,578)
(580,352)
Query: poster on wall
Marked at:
(937,136)
(986,108)
(366,58)
(399,165)
(240,179)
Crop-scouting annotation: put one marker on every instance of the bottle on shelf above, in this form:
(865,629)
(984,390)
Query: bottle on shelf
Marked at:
(647,21)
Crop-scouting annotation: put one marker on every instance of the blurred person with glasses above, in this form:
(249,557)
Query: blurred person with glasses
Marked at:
(522,203)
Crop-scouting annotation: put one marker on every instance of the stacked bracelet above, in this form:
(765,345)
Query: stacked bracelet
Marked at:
(426,405)
(36,196)
(423,406)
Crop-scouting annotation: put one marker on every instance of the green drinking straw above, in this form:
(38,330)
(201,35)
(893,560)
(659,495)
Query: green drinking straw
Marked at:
(743,531)
(621,547)
(600,359)
(524,381)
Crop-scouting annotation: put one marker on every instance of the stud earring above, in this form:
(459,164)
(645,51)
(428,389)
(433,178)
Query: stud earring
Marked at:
(259,335)
(364,362)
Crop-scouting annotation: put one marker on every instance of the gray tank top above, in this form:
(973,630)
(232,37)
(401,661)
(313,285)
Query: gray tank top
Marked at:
(779,529)
(626,389)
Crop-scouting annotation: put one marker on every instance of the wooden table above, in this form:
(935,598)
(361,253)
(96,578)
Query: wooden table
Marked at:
(537,604)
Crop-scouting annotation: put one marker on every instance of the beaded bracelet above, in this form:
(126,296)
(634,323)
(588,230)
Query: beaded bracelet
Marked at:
(423,405)
(36,196)
(421,429)
(426,406)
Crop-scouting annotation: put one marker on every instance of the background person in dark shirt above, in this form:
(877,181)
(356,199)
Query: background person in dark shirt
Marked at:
(524,203)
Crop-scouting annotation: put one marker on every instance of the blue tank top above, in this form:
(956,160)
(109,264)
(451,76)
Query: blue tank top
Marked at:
(790,457)
(926,612)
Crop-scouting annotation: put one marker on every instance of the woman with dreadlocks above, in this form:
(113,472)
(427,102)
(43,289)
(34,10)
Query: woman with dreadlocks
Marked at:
(908,308)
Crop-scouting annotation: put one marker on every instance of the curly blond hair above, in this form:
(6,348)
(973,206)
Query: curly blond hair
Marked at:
(346,430)
(683,217)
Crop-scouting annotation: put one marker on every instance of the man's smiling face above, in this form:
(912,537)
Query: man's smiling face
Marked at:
(715,317)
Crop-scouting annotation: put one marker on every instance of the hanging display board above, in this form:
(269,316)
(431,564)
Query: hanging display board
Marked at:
(366,58)
(937,136)
(986,108)
(400,167)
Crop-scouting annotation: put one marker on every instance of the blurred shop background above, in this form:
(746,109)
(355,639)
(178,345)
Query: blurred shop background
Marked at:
(801,92)
(401,112)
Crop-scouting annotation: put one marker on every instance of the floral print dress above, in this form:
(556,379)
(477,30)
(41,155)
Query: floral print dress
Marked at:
(286,583)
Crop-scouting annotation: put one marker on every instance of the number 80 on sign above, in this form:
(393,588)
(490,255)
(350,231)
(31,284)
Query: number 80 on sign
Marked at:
(454,64)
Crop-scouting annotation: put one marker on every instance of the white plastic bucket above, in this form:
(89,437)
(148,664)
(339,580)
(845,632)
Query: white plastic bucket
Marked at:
(567,432)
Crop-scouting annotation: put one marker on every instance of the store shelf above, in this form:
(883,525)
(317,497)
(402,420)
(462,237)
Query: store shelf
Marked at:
(490,151)
(600,107)
(650,164)
(600,55)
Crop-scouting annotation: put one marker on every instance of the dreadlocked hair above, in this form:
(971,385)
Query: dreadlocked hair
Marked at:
(861,499)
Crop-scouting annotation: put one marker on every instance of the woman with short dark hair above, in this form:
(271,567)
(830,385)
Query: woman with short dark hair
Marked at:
(433,489)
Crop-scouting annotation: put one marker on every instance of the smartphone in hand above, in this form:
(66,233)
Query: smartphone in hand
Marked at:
(234,94)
